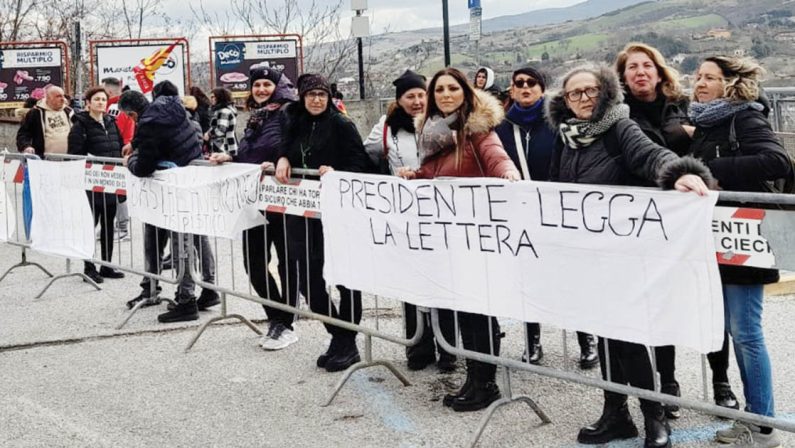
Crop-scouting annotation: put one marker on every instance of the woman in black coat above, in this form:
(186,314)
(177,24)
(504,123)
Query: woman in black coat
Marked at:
(95,133)
(734,138)
(602,145)
(319,137)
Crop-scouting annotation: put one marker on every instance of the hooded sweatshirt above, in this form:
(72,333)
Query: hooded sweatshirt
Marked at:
(490,86)
(45,129)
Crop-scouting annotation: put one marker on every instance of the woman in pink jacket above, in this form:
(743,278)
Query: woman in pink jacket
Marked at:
(457,139)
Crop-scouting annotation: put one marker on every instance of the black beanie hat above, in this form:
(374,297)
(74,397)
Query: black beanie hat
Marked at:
(263,71)
(165,88)
(311,81)
(533,73)
(407,81)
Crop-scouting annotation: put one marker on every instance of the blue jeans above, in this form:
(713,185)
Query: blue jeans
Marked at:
(743,316)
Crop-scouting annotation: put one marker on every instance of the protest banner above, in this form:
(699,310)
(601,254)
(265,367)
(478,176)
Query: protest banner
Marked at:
(218,202)
(299,197)
(62,221)
(102,178)
(636,265)
(8,216)
(738,237)
(27,72)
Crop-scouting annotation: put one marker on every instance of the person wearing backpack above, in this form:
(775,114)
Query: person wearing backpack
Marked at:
(734,138)
(657,104)
(392,144)
(602,145)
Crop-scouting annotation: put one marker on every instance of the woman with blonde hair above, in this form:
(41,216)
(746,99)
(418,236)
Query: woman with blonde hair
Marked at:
(734,138)
(457,139)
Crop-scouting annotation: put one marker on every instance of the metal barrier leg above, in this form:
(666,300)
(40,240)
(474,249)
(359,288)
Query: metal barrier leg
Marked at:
(223,316)
(367,362)
(24,263)
(508,398)
(68,274)
(142,303)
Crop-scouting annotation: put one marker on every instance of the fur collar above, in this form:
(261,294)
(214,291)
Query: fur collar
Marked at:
(610,95)
(485,116)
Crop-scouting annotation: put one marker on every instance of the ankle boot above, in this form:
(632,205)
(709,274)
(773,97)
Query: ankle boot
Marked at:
(658,432)
(346,356)
(534,353)
(482,392)
(448,399)
(446,362)
(589,355)
(614,424)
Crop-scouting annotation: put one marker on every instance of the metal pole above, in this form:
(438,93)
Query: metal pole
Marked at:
(446,19)
(361,67)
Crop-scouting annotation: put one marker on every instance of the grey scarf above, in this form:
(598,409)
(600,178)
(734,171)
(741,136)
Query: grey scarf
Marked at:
(437,136)
(578,133)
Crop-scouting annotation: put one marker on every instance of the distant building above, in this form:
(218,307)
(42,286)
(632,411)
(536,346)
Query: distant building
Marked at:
(714,34)
(787,36)
(740,52)
(678,58)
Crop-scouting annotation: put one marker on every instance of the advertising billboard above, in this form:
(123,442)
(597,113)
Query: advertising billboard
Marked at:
(233,59)
(118,61)
(26,72)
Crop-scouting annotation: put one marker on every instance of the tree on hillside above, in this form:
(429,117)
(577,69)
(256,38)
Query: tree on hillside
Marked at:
(668,46)
(689,64)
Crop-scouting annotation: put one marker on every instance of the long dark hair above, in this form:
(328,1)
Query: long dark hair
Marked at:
(200,96)
(463,112)
(222,96)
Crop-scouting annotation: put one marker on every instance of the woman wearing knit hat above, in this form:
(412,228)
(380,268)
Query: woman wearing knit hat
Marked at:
(319,137)
(392,144)
(263,143)
(530,143)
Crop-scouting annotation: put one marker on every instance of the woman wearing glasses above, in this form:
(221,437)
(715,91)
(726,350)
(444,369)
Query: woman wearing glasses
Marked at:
(530,143)
(602,145)
(318,137)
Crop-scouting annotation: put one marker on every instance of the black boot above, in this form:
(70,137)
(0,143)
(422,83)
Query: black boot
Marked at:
(614,424)
(185,310)
(423,354)
(589,356)
(536,352)
(332,350)
(108,272)
(724,396)
(482,392)
(207,298)
(449,398)
(90,271)
(446,363)
(346,356)
(658,432)
(671,410)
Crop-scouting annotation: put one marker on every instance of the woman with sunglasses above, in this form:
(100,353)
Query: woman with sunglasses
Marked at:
(530,143)
(602,145)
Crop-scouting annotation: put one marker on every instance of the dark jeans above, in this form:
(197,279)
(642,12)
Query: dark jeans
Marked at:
(155,240)
(426,348)
(477,335)
(257,243)
(718,363)
(629,363)
(103,207)
(305,246)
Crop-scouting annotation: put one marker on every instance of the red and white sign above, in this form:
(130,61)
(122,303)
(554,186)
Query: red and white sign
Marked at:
(299,197)
(738,237)
(102,178)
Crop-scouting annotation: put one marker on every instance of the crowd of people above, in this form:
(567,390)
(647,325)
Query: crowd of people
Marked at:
(630,124)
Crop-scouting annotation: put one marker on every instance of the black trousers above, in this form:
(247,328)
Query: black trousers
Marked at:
(257,243)
(305,246)
(718,363)
(534,336)
(481,334)
(103,207)
(629,363)
(426,348)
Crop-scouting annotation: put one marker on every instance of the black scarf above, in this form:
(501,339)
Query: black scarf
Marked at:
(651,111)
(398,120)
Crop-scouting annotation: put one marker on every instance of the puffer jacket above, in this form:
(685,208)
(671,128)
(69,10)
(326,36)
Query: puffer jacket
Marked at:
(482,153)
(88,136)
(164,133)
(673,114)
(263,139)
(760,157)
(634,162)
(538,143)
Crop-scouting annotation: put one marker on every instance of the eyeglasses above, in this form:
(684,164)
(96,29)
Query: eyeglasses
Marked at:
(317,95)
(521,83)
(576,95)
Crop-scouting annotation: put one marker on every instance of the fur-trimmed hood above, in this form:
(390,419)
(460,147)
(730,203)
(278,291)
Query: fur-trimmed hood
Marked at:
(486,114)
(610,94)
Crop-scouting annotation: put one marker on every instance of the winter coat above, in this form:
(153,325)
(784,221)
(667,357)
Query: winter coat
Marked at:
(203,117)
(125,124)
(263,140)
(760,157)
(636,161)
(482,152)
(165,133)
(222,130)
(538,144)
(31,131)
(89,137)
(670,132)
(401,146)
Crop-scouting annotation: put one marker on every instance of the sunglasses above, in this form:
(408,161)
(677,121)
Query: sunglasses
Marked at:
(521,83)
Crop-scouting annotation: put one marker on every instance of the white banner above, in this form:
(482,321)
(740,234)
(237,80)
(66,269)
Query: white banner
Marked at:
(636,265)
(299,197)
(219,202)
(118,62)
(8,216)
(62,221)
(102,178)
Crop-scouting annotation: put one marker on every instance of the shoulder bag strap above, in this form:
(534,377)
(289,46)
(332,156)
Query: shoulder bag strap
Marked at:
(517,137)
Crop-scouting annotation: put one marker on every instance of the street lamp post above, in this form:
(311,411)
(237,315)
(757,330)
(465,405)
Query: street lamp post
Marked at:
(446,19)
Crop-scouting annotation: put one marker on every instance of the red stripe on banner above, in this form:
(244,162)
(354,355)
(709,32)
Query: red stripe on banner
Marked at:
(749,213)
(98,189)
(19,177)
(275,209)
(734,260)
(88,165)
(121,192)
(311,214)
(108,167)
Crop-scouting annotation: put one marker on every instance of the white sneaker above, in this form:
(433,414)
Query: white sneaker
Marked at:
(747,435)
(278,337)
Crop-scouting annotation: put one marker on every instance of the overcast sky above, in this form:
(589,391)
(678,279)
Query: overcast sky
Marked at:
(401,15)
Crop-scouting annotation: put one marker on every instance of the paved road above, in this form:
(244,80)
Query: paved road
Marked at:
(71,380)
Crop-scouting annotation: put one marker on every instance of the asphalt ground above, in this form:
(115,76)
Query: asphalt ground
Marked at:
(70,379)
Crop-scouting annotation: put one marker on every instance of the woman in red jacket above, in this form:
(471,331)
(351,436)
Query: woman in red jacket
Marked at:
(457,139)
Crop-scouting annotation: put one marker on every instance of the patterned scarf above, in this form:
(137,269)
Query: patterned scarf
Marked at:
(578,133)
(716,111)
(437,136)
